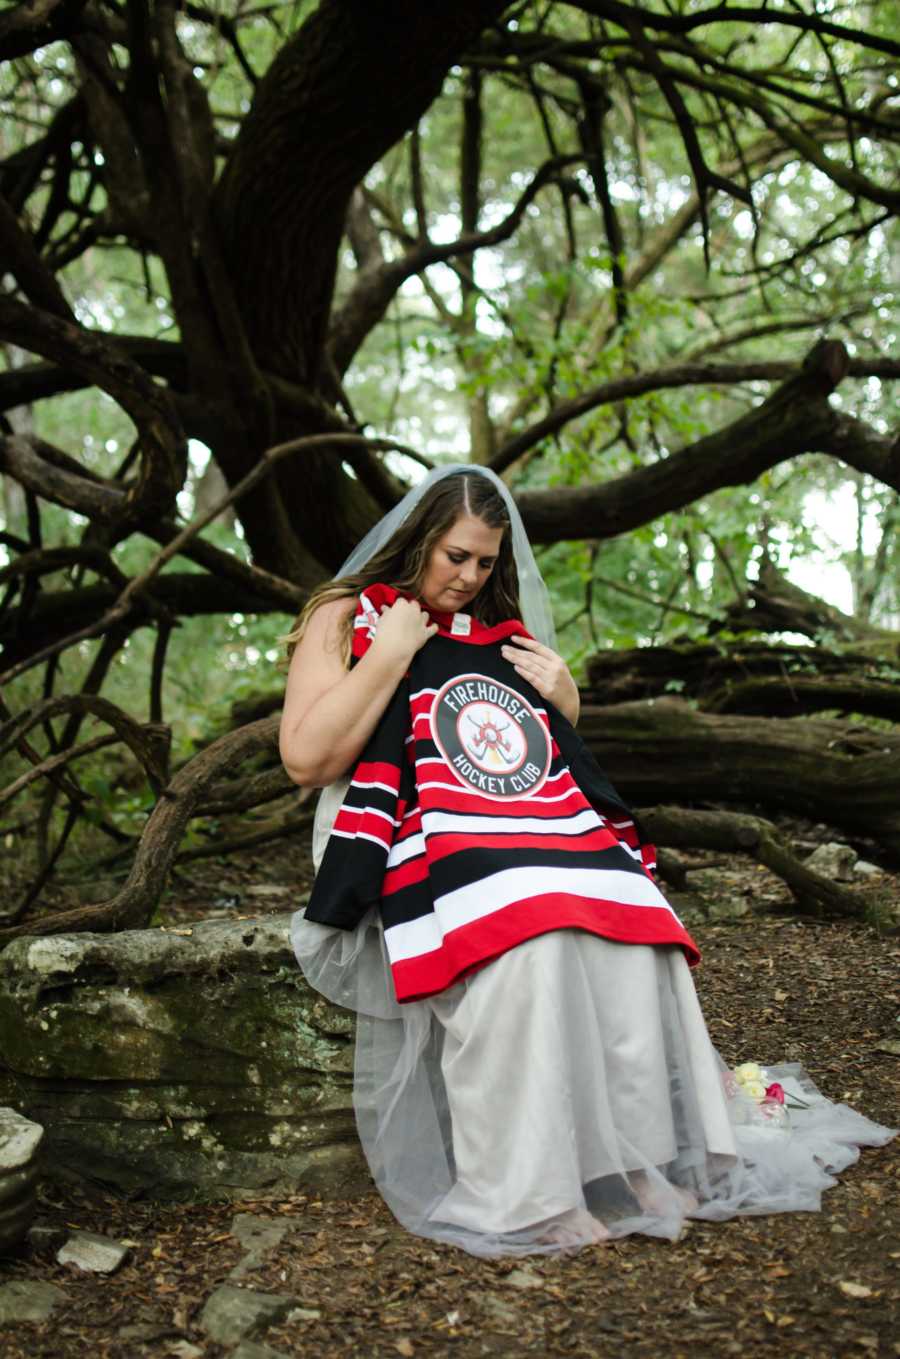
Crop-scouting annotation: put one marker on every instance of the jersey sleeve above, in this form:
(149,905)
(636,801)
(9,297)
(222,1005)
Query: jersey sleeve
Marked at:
(353,866)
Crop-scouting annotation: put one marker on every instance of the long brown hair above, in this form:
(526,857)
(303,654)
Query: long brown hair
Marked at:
(403,560)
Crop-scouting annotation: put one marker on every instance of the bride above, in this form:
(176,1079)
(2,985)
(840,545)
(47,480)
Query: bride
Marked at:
(532,1069)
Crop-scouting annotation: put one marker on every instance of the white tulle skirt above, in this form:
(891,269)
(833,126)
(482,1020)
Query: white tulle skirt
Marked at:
(568,1091)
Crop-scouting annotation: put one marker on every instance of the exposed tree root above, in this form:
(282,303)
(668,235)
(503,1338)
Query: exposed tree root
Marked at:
(813,892)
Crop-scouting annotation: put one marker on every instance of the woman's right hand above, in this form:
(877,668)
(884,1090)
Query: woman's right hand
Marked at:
(403,629)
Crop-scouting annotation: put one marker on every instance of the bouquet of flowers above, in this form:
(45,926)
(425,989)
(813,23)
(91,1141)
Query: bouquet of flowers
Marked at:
(770,1102)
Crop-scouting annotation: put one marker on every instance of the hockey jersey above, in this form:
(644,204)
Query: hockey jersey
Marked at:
(476,818)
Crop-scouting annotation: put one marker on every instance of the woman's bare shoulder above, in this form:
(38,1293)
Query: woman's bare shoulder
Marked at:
(318,659)
(324,631)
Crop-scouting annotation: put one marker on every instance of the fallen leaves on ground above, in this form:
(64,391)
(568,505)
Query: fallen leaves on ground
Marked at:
(816,1285)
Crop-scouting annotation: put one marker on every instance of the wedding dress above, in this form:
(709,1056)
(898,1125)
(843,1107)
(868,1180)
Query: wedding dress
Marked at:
(565,1089)
(569,1082)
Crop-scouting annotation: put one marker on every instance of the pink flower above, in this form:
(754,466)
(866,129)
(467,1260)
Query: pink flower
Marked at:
(776,1092)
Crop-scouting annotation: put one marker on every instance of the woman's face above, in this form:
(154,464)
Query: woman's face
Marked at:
(460,562)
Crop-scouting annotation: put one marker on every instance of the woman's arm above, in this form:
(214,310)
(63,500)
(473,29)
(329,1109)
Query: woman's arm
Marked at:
(330,712)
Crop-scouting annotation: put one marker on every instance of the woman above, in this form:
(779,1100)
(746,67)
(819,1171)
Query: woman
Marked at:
(532,1068)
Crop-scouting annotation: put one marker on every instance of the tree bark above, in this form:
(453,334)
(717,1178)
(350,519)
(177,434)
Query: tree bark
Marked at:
(796,418)
(346,88)
(775,604)
(340,93)
(186,593)
(133,904)
(813,892)
(838,772)
(752,678)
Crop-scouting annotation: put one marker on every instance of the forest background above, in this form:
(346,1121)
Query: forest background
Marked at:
(638,258)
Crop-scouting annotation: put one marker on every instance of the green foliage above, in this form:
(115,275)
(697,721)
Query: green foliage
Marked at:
(541,330)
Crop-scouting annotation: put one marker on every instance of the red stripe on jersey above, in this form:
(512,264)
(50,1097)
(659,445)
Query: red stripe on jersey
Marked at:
(445,843)
(377,772)
(411,826)
(405,875)
(351,821)
(627,833)
(648,856)
(483,940)
(448,799)
(420,705)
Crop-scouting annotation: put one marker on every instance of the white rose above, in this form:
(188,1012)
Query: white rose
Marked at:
(748,1071)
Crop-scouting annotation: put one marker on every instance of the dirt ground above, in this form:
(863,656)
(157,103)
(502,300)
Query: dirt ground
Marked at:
(773,987)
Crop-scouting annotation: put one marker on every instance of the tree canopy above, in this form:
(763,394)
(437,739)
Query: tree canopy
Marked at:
(635,257)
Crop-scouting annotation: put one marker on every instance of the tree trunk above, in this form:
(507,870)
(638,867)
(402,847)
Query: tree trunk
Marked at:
(772,681)
(775,604)
(742,834)
(345,89)
(838,772)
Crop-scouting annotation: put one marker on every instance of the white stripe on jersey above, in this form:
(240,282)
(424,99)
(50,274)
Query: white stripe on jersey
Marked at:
(532,797)
(436,823)
(369,811)
(410,848)
(412,938)
(372,783)
(361,835)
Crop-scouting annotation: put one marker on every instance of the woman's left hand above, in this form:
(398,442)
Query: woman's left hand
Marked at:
(545,671)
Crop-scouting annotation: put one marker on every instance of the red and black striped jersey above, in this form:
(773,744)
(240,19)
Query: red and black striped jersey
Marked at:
(476,818)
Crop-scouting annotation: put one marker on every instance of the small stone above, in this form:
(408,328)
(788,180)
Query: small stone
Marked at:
(230,1314)
(254,1349)
(501,1313)
(866,869)
(258,1235)
(522,1278)
(833,860)
(20,1139)
(851,1289)
(304,1314)
(20,1142)
(28,1300)
(93,1252)
(731,908)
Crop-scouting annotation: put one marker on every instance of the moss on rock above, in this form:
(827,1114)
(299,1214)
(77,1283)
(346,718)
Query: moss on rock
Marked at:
(195,1063)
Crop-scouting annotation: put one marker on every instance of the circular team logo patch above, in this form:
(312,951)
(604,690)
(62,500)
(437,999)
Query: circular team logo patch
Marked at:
(491,738)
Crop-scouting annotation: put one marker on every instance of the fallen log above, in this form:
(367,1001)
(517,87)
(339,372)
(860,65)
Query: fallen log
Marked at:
(772,603)
(800,695)
(742,834)
(754,678)
(132,906)
(838,772)
(662,749)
